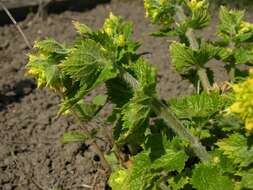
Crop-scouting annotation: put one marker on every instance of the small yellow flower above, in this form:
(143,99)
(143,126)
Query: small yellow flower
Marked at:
(245,27)
(121,40)
(236,107)
(196,4)
(33,72)
(243,104)
(113,17)
(216,160)
(108,30)
(249,125)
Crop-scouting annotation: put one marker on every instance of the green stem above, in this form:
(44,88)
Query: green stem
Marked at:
(203,79)
(95,147)
(171,120)
(192,39)
(231,66)
(195,46)
(163,110)
(232,72)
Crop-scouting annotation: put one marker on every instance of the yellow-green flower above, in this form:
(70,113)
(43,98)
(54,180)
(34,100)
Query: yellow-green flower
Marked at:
(243,104)
(121,40)
(110,24)
(196,4)
(249,125)
(245,27)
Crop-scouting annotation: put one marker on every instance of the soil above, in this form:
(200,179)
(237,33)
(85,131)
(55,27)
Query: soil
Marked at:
(31,154)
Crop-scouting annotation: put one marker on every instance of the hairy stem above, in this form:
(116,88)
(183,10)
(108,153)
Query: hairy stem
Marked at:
(163,110)
(171,120)
(231,72)
(192,39)
(204,79)
(195,46)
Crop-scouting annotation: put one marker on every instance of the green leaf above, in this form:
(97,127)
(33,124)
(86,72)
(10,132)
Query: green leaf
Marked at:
(119,91)
(244,55)
(85,63)
(161,12)
(178,182)
(135,178)
(208,177)
(229,22)
(52,74)
(247,181)
(117,178)
(236,148)
(182,57)
(135,117)
(202,105)
(222,162)
(146,75)
(170,161)
(85,111)
(73,137)
(145,171)
(89,66)
(199,14)
(50,46)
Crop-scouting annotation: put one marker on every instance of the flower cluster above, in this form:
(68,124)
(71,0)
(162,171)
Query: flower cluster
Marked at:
(243,104)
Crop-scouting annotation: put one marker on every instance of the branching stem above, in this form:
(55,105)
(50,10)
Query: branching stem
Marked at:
(202,74)
(163,110)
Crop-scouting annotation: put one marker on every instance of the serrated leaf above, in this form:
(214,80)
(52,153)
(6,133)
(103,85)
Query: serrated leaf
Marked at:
(161,12)
(170,161)
(247,181)
(208,177)
(222,162)
(243,55)
(198,106)
(119,91)
(178,182)
(229,22)
(145,171)
(73,137)
(49,46)
(89,67)
(224,54)
(236,148)
(146,75)
(182,57)
(199,14)
(135,115)
(52,75)
(85,62)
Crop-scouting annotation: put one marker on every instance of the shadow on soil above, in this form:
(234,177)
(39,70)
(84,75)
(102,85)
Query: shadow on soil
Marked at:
(54,7)
(9,95)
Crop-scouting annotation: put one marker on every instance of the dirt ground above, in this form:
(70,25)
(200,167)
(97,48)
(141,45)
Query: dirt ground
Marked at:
(31,155)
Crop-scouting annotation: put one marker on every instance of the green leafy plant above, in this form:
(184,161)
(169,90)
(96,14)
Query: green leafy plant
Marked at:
(202,141)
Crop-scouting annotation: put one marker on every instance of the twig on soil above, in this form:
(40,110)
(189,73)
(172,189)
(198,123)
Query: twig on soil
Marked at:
(16,24)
